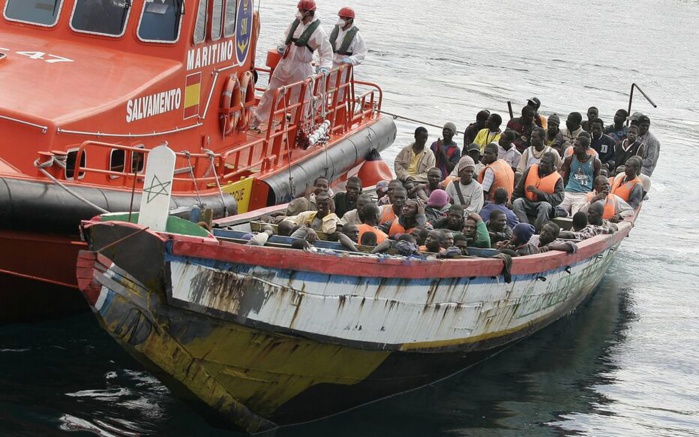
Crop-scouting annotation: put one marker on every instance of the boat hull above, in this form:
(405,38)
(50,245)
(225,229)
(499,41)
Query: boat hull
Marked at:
(263,342)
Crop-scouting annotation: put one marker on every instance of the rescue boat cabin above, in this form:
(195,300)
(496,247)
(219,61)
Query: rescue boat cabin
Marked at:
(90,86)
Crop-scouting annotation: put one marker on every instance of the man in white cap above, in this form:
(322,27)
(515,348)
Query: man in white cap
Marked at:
(466,191)
(303,37)
(446,151)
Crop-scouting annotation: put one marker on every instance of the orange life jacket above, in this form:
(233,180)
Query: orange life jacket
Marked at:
(396,228)
(609,205)
(504,177)
(624,189)
(363,228)
(387,214)
(547,184)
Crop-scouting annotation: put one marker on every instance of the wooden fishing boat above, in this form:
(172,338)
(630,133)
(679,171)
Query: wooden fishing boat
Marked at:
(89,88)
(268,335)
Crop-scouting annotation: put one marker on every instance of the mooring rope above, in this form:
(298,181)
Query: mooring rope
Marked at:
(415,120)
(42,168)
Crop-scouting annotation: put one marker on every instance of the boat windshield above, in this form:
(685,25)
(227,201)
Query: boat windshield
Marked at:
(160,20)
(42,12)
(100,16)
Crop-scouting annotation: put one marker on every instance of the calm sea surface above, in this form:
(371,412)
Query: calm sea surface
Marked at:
(626,363)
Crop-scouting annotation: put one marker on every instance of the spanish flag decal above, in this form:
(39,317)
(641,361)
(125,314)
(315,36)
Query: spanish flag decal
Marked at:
(192,93)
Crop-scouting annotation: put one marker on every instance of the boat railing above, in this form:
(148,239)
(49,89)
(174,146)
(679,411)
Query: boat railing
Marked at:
(192,170)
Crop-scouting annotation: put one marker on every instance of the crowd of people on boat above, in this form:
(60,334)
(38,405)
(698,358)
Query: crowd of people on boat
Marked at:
(501,190)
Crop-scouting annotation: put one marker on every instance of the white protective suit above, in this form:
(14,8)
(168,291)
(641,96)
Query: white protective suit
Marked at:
(296,65)
(357,47)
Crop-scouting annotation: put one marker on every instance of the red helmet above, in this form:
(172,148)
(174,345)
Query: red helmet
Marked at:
(307,5)
(346,13)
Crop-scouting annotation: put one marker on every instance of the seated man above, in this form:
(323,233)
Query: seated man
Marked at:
(324,219)
(629,186)
(630,146)
(497,227)
(497,173)
(592,113)
(491,133)
(454,221)
(618,130)
(499,201)
(434,177)
(392,211)
(507,151)
(347,200)
(437,206)
(523,125)
(596,224)
(472,129)
(308,201)
(602,143)
(571,131)
(554,137)
(415,159)
(475,231)
(436,238)
(538,192)
(579,170)
(466,191)
(446,151)
(532,155)
(548,240)
(352,216)
(615,208)
(387,199)
(370,223)
(412,215)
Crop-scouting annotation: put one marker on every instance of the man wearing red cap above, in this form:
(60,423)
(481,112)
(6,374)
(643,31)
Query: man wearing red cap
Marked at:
(303,37)
(348,44)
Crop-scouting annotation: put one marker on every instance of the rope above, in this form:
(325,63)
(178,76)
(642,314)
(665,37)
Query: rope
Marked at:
(212,157)
(414,120)
(42,168)
(191,172)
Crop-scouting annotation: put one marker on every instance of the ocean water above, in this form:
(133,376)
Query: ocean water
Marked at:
(624,364)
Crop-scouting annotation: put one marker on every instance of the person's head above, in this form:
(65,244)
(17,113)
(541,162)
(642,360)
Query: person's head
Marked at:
(634,118)
(470,226)
(594,213)
(581,145)
(547,164)
(400,195)
(320,184)
(643,125)
(353,188)
(537,138)
(369,214)
(633,167)
(597,127)
(620,117)
(285,228)
(323,203)
(500,196)
(448,240)
(420,136)
(306,10)
(352,231)
(494,122)
(490,153)
(420,234)
(409,185)
(368,239)
(434,177)
(632,133)
(438,199)
(481,118)
(381,188)
(521,233)
(553,124)
(573,121)
(455,217)
(534,103)
(474,152)
(362,200)
(579,221)
(345,18)
(466,170)
(528,113)
(409,209)
(435,239)
(601,184)
(396,183)
(461,242)
(498,220)
(507,138)
(448,131)
(549,232)
(592,113)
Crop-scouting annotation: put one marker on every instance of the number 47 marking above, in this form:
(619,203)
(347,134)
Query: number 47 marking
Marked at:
(46,57)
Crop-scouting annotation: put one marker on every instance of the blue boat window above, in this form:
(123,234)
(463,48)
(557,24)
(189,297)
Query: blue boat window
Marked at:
(229,26)
(200,26)
(216,20)
(160,20)
(42,12)
(106,17)
(70,164)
